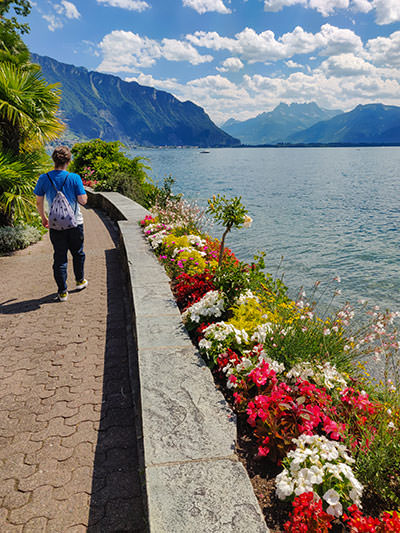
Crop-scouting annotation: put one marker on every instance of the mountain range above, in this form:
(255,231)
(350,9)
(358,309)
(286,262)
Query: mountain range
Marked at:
(96,105)
(275,126)
(307,124)
(365,124)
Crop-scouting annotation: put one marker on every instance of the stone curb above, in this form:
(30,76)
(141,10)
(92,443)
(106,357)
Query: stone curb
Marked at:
(193,482)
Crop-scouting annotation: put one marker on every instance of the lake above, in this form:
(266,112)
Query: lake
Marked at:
(327,211)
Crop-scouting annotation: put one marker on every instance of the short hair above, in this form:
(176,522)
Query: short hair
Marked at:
(61,155)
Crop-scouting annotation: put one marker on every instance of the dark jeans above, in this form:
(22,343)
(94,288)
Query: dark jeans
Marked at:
(64,240)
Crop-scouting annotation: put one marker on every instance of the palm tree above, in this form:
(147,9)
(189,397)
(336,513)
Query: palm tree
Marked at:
(17,181)
(28,108)
(28,120)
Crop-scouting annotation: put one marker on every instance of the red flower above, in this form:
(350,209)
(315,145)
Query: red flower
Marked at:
(308,516)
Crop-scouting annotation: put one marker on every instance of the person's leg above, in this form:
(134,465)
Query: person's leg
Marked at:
(75,244)
(60,246)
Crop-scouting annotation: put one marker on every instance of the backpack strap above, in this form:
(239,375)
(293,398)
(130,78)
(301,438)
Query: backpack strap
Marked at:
(66,177)
(62,186)
(52,182)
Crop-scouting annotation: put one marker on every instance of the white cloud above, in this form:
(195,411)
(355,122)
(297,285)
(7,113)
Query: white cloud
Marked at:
(385,51)
(328,7)
(340,82)
(325,7)
(125,51)
(363,6)
(293,64)
(147,79)
(131,5)
(217,83)
(54,22)
(70,10)
(64,9)
(278,5)
(262,47)
(346,65)
(336,41)
(203,6)
(174,50)
(387,11)
(232,64)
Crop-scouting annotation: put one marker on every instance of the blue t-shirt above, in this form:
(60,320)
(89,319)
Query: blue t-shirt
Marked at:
(73,187)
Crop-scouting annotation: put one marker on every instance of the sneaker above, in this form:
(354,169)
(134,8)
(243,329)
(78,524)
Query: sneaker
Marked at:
(63,296)
(81,284)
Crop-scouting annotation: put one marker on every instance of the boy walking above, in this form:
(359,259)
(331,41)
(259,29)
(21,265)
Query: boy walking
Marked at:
(71,239)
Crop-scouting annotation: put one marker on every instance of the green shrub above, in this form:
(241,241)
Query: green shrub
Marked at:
(113,170)
(126,184)
(17,238)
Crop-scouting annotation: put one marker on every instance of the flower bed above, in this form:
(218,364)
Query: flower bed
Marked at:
(310,416)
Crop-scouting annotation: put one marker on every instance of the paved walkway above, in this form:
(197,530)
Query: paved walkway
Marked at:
(67,438)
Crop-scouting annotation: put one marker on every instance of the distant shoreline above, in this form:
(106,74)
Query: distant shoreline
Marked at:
(300,145)
(317,145)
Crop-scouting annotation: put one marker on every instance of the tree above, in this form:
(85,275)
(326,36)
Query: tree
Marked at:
(12,47)
(28,108)
(21,8)
(28,119)
(230,213)
(17,181)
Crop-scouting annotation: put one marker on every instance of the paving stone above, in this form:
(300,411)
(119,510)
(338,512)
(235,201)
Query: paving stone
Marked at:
(36,525)
(83,432)
(15,499)
(70,513)
(40,505)
(59,409)
(52,369)
(122,516)
(81,481)
(76,529)
(50,449)
(84,413)
(56,428)
(15,468)
(49,472)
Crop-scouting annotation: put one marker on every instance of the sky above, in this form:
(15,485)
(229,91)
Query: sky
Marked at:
(234,58)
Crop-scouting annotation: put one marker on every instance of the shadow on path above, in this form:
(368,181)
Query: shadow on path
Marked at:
(26,306)
(116,500)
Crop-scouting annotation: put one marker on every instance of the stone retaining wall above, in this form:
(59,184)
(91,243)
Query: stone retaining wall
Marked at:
(193,481)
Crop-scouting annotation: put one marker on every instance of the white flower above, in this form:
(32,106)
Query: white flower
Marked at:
(335,510)
(284,485)
(212,304)
(197,241)
(205,344)
(247,221)
(315,462)
(331,496)
(245,297)
(276,367)
(261,331)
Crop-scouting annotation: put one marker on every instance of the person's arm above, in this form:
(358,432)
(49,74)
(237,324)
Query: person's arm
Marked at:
(40,208)
(82,199)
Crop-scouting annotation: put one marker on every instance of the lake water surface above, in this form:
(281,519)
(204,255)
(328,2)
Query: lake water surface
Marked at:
(327,211)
